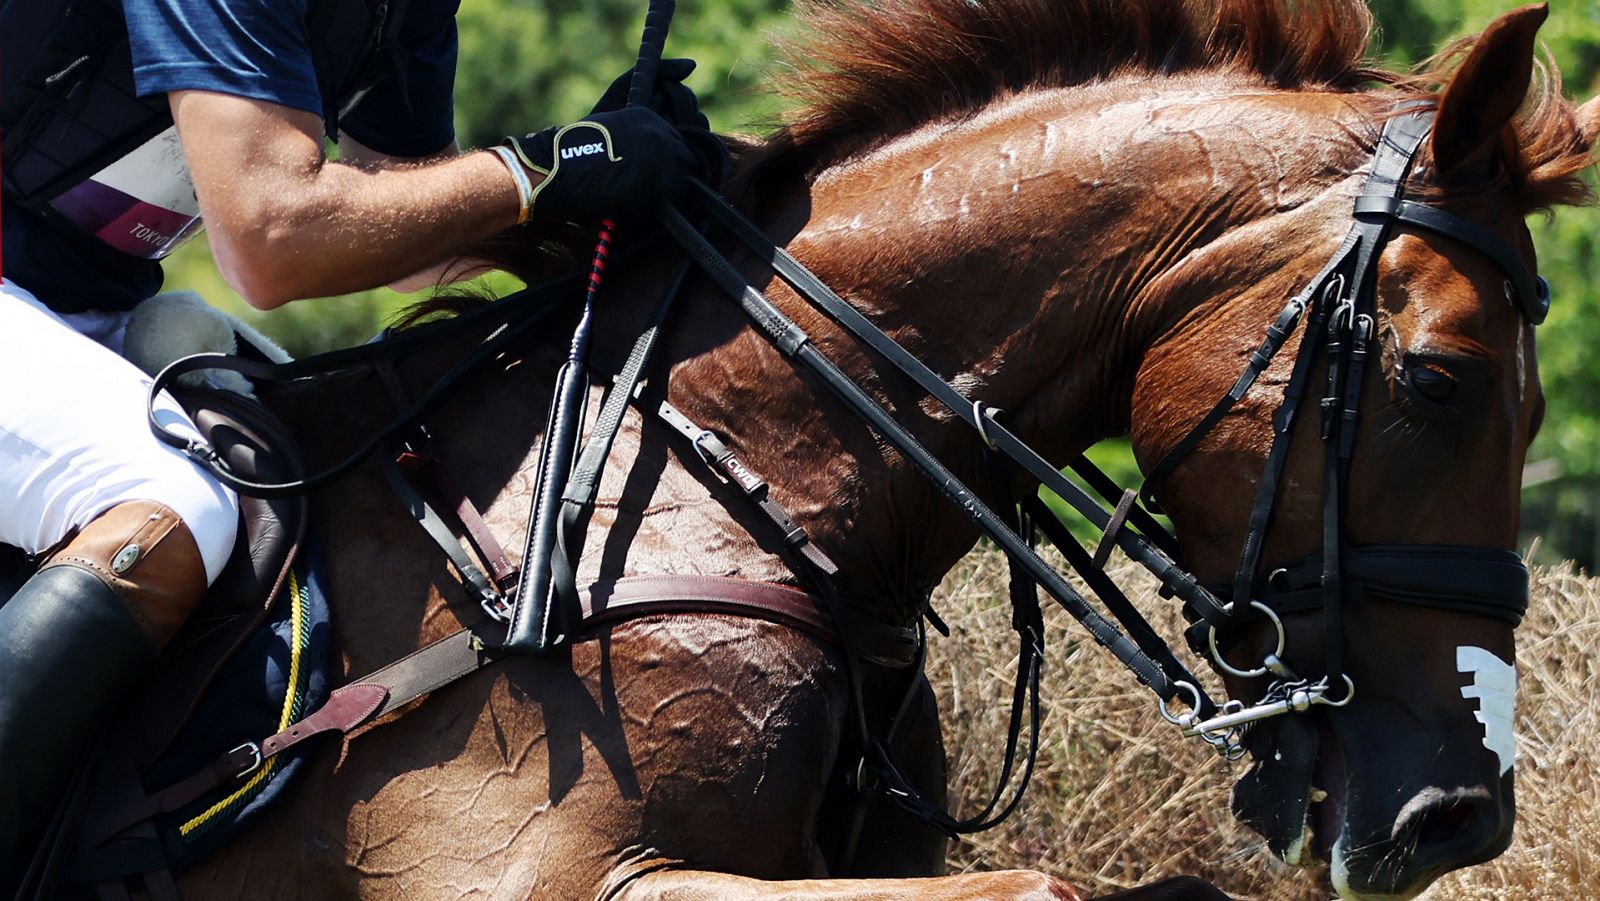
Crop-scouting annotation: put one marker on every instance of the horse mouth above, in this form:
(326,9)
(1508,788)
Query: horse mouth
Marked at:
(1296,791)
(1325,807)
(1296,796)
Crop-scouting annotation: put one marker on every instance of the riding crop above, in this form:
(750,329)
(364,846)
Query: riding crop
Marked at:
(536,621)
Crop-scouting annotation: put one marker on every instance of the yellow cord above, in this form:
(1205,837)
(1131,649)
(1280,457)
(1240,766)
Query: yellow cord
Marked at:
(285,720)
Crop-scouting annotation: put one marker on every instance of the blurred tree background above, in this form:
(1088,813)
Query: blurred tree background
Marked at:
(529,63)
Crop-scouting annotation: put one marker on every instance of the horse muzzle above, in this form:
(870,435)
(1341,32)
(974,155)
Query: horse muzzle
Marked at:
(1373,799)
(1437,831)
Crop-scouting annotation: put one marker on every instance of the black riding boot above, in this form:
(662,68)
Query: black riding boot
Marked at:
(68,650)
(76,637)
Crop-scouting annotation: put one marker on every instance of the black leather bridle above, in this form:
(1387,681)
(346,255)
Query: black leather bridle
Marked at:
(1339,309)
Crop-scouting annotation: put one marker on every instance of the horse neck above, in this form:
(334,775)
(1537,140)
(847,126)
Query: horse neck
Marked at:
(1031,256)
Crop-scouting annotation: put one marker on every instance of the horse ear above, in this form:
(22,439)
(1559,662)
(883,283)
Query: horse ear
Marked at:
(1486,91)
(1588,118)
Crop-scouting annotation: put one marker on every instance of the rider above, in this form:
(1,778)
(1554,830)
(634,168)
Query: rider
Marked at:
(121,127)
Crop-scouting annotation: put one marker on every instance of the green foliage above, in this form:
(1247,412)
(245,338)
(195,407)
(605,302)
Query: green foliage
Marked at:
(529,63)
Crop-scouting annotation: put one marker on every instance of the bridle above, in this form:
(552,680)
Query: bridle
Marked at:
(1339,310)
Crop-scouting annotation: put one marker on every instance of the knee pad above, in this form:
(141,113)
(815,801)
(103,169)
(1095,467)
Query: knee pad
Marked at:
(145,554)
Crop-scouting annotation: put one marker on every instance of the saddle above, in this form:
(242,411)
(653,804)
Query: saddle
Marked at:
(105,831)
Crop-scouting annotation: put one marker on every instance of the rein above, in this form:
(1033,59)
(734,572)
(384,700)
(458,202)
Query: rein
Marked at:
(1339,309)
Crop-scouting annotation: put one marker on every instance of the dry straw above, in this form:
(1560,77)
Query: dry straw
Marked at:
(1120,799)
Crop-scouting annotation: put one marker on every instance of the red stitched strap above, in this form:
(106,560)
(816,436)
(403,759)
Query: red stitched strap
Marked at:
(345,709)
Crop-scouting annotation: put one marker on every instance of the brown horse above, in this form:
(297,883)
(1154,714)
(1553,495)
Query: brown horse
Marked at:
(1084,213)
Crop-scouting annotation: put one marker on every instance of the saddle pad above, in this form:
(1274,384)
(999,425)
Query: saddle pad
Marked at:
(279,674)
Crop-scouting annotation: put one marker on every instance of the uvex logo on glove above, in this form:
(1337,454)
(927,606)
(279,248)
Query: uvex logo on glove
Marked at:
(568,153)
(615,164)
(572,142)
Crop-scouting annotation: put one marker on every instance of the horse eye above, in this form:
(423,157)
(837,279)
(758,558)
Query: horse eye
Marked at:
(1433,384)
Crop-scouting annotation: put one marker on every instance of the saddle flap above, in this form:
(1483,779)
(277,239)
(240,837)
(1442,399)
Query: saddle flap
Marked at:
(257,445)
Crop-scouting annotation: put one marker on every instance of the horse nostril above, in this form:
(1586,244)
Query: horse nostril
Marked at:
(1445,823)
(1454,829)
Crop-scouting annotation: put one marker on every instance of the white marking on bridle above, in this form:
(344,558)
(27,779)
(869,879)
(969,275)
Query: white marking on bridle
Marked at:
(1494,684)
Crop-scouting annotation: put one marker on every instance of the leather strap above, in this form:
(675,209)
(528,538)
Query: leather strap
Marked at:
(612,601)
(422,466)
(714,453)
(1529,294)
(417,506)
(1487,581)
(507,320)
(794,342)
(433,666)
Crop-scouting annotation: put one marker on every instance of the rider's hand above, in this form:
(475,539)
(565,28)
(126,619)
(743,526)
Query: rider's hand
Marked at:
(670,97)
(615,164)
(676,103)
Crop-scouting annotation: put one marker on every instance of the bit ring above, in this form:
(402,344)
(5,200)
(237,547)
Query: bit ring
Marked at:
(1263,669)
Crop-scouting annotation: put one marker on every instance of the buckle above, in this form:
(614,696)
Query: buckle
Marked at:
(700,443)
(255,758)
(497,607)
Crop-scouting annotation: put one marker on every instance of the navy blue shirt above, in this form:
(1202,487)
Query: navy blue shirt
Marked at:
(257,49)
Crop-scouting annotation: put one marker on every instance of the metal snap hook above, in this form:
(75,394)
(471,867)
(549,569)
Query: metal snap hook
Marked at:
(1349,694)
(1182,720)
(1267,664)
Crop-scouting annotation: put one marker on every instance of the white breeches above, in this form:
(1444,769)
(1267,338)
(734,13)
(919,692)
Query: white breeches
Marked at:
(73,437)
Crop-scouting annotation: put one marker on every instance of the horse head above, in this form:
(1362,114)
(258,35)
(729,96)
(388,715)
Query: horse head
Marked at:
(1413,777)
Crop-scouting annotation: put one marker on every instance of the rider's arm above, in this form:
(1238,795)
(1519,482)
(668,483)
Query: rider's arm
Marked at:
(444,272)
(285,223)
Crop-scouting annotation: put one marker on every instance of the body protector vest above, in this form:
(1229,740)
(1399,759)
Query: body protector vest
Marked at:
(81,149)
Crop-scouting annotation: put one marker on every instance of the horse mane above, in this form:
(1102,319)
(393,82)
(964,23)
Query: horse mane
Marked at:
(863,73)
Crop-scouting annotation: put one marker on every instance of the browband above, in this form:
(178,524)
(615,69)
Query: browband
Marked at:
(1530,294)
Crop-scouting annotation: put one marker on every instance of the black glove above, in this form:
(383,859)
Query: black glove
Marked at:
(615,164)
(670,97)
(677,104)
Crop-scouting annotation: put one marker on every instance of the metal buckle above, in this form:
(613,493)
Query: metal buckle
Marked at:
(255,754)
(699,448)
(497,607)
